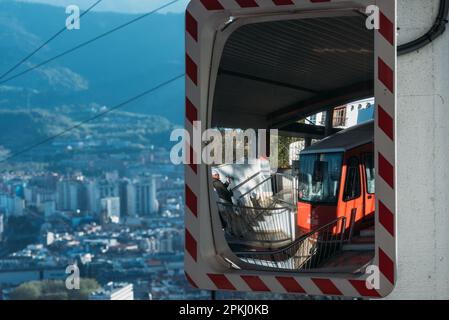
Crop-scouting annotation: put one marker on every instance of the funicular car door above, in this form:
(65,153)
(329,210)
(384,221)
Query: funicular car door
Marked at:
(353,200)
(368,184)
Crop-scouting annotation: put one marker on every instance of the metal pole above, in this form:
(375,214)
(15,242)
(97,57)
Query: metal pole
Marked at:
(307,142)
(329,122)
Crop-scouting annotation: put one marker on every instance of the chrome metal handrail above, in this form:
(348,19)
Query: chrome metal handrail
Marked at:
(259,219)
(255,187)
(246,181)
(280,189)
(260,196)
(305,253)
(256,225)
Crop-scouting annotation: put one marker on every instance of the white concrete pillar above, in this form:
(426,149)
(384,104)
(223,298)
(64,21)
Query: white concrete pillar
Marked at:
(423,158)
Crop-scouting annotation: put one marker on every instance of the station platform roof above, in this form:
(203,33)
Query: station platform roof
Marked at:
(344,140)
(273,74)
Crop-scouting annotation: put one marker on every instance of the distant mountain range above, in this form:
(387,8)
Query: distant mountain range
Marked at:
(106,72)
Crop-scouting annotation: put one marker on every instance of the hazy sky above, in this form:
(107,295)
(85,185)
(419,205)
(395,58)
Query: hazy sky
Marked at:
(126,6)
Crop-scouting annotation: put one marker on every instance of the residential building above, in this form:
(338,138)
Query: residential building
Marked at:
(111,209)
(114,291)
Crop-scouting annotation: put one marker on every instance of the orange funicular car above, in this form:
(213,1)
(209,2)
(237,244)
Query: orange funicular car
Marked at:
(337,181)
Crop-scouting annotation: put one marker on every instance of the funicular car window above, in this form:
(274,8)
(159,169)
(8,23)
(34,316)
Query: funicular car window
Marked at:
(352,186)
(319,178)
(370,173)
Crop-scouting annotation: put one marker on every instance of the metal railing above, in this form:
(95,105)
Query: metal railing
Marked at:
(270,191)
(285,188)
(259,196)
(304,254)
(256,226)
(240,185)
(260,219)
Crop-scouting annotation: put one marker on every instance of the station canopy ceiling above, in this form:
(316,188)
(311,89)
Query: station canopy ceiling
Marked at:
(275,73)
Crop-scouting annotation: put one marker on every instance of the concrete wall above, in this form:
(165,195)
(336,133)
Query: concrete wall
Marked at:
(423,159)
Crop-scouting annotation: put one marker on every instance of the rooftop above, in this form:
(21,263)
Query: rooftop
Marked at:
(344,140)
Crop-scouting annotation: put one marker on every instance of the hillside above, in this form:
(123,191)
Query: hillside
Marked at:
(106,72)
(22,128)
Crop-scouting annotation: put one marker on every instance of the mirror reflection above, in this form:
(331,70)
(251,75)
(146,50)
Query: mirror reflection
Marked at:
(306,205)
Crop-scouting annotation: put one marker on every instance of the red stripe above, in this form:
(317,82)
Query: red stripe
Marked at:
(386,266)
(290,285)
(255,283)
(212,4)
(191,111)
(386,28)
(327,287)
(282,2)
(247,3)
(191,245)
(386,171)
(221,282)
(386,75)
(191,70)
(385,122)
(190,280)
(191,201)
(191,26)
(386,218)
(360,286)
(194,167)
(192,163)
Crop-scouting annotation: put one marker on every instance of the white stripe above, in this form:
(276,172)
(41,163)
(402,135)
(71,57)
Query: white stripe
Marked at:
(346,288)
(384,49)
(386,242)
(273,284)
(384,145)
(385,194)
(238,282)
(385,99)
(309,286)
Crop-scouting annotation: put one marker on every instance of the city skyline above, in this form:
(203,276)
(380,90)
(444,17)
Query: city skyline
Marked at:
(74,215)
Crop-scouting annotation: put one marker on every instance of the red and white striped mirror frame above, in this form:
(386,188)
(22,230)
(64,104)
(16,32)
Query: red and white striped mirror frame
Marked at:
(200,269)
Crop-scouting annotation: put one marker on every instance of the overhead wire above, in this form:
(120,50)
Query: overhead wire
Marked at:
(57,34)
(97,116)
(83,44)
